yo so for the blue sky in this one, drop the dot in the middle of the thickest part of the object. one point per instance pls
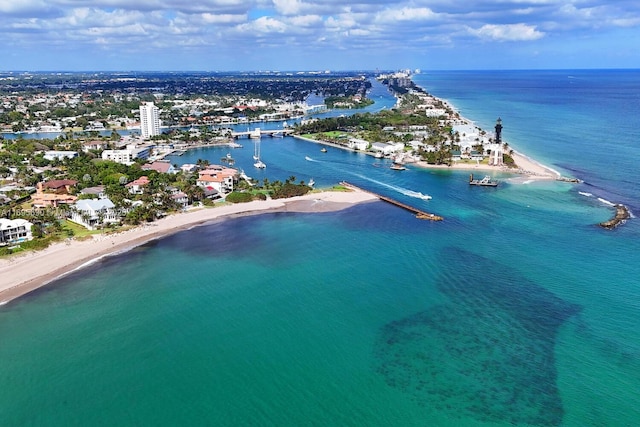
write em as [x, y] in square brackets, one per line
[252, 35]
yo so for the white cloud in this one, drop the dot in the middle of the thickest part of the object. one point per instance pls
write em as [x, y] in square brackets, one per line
[263, 25]
[287, 7]
[371, 26]
[305, 20]
[508, 32]
[226, 18]
[405, 14]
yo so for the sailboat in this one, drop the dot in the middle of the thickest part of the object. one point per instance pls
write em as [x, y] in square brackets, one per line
[256, 156]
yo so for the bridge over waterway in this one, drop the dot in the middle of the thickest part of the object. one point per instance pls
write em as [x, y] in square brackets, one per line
[259, 133]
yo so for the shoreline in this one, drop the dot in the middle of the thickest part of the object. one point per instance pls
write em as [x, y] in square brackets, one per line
[26, 272]
[527, 166]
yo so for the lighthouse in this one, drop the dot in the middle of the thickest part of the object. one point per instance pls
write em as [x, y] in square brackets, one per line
[499, 131]
[497, 152]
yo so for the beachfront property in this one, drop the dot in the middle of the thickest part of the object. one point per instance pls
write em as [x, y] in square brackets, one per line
[14, 231]
[180, 198]
[54, 193]
[94, 213]
[219, 178]
[149, 120]
[137, 185]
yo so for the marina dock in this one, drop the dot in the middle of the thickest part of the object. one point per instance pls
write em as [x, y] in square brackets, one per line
[420, 214]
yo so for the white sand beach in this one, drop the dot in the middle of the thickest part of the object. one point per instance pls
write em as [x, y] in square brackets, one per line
[525, 166]
[25, 272]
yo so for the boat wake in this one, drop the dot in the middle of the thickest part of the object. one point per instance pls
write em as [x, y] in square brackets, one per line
[309, 159]
[584, 193]
[606, 202]
[405, 191]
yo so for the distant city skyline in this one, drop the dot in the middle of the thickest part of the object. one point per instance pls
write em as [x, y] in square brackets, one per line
[251, 35]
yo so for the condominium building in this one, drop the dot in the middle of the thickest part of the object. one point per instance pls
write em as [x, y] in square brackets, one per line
[149, 120]
[128, 155]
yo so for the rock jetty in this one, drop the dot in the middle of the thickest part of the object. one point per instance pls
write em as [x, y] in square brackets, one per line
[622, 214]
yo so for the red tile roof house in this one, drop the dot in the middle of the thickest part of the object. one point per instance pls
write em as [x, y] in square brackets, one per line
[59, 186]
[137, 186]
[56, 194]
[218, 177]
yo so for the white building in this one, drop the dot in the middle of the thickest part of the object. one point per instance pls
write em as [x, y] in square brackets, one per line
[358, 144]
[60, 155]
[149, 120]
[387, 148]
[128, 155]
[497, 154]
[14, 231]
[93, 213]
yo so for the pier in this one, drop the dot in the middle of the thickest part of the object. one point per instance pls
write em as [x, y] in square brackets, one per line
[420, 214]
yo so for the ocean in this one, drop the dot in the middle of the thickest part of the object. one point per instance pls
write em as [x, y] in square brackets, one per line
[517, 309]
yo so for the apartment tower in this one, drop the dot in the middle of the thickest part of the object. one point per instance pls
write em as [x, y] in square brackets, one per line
[149, 120]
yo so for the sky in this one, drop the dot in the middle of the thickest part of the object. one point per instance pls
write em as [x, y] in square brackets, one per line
[301, 35]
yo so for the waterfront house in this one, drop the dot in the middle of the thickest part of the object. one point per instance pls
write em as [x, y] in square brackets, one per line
[53, 194]
[358, 144]
[387, 148]
[14, 231]
[137, 185]
[59, 186]
[97, 191]
[181, 199]
[476, 156]
[94, 213]
[218, 177]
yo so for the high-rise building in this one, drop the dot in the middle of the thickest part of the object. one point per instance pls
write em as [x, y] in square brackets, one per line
[149, 120]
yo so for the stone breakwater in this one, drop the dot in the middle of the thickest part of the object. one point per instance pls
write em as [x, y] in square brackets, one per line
[622, 214]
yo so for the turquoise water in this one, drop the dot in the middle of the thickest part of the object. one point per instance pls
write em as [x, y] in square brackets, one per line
[515, 310]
